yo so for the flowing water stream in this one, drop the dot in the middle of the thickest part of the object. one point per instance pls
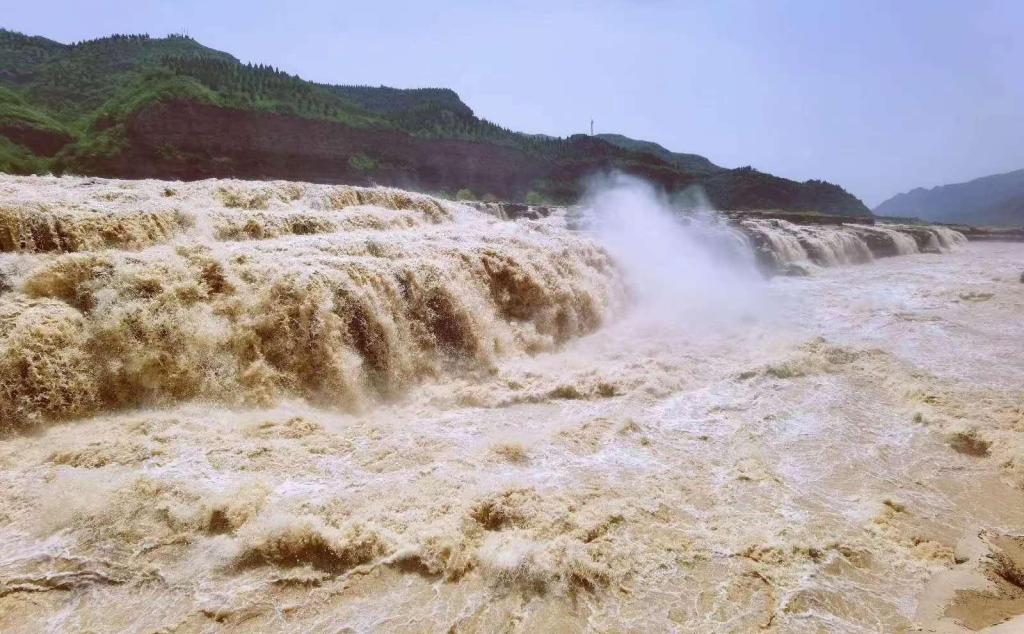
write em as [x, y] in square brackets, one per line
[267, 407]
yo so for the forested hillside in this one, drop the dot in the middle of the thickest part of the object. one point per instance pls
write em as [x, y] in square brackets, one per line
[138, 106]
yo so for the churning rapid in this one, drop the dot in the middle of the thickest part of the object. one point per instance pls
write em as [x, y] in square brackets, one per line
[263, 407]
[245, 293]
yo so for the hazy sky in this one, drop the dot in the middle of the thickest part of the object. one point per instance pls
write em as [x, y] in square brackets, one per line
[878, 96]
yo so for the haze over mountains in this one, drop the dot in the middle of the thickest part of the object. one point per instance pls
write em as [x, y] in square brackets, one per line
[134, 106]
[996, 200]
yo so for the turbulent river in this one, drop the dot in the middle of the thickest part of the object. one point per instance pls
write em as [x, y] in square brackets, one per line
[265, 407]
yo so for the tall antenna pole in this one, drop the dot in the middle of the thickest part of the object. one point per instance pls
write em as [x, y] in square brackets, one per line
[591, 127]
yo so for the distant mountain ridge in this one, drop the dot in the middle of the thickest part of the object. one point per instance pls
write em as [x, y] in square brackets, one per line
[996, 200]
[136, 106]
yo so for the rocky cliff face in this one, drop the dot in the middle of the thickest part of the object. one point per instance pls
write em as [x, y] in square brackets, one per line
[188, 140]
[39, 141]
[191, 141]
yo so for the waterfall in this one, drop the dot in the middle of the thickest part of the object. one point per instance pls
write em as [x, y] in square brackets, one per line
[780, 243]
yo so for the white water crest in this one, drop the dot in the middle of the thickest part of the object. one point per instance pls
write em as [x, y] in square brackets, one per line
[692, 268]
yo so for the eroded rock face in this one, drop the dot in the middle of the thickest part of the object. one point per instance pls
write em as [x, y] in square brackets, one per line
[218, 142]
[178, 139]
[42, 142]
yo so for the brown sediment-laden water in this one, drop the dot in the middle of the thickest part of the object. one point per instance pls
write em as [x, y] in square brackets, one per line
[271, 406]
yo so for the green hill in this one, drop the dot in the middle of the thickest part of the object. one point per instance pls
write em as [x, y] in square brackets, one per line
[136, 106]
[691, 162]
